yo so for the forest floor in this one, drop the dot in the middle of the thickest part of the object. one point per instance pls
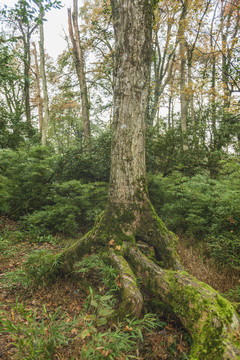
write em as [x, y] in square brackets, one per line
[70, 296]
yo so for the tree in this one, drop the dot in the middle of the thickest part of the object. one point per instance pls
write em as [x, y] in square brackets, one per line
[130, 217]
[79, 64]
[12, 129]
[26, 16]
[44, 128]
[38, 89]
[26, 28]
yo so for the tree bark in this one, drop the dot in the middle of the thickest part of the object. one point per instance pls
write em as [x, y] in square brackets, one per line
[79, 64]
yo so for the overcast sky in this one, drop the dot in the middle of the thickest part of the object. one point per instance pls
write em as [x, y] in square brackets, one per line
[53, 28]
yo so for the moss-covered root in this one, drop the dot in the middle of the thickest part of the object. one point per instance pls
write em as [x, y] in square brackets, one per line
[77, 250]
[152, 230]
[209, 318]
[132, 300]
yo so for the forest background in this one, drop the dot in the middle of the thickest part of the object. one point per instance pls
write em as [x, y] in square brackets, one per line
[55, 124]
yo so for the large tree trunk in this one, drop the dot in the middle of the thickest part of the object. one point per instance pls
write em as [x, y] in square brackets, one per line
[79, 65]
[130, 217]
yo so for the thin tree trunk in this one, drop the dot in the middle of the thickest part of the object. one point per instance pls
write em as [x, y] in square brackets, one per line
[183, 96]
[44, 81]
[191, 99]
[26, 45]
[26, 36]
[169, 111]
[38, 90]
[79, 64]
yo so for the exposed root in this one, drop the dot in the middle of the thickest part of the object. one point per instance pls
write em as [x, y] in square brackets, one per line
[77, 250]
[151, 229]
[132, 300]
[210, 319]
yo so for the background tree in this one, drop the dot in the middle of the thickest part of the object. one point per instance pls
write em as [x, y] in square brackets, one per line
[80, 69]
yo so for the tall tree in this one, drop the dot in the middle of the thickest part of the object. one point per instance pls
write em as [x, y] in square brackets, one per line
[26, 27]
[183, 60]
[38, 89]
[26, 17]
[44, 77]
[80, 68]
[129, 215]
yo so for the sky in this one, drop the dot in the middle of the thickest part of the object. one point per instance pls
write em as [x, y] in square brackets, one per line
[54, 27]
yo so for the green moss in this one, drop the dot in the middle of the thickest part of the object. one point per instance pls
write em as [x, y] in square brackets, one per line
[204, 313]
[127, 307]
[154, 231]
[159, 307]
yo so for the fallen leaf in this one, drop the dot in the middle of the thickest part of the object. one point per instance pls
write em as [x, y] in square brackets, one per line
[111, 242]
[74, 331]
[127, 328]
[105, 353]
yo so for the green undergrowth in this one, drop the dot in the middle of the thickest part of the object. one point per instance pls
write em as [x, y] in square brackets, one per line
[39, 268]
[207, 210]
[91, 334]
[37, 334]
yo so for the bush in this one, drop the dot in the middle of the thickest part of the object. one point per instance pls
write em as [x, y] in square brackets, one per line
[39, 268]
[73, 207]
[87, 166]
[208, 210]
[24, 180]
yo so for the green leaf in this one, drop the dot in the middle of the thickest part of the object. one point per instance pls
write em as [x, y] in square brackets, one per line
[94, 303]
[101, 321]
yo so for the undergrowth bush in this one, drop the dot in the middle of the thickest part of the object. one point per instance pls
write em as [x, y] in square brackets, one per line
[31, 188]
[72, 207]
[88, 166]
[39, 268]
[24, 182]
[206, 209]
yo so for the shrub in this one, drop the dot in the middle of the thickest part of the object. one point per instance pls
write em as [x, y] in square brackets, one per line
[87, 166]
[39, 268]
[208, 210]
[24, 180]
[73, 207]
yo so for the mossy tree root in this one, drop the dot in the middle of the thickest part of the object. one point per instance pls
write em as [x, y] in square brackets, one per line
[132, 300]
[151, 229]
[210, 319]
[77, 250]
